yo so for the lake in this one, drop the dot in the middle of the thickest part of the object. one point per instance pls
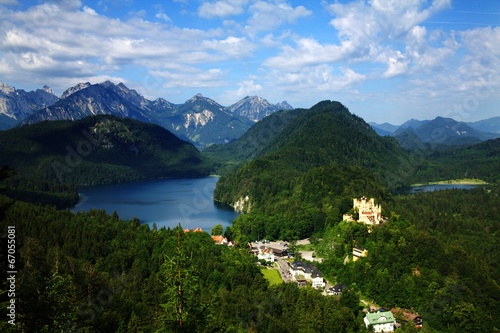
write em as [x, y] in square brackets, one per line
[166, 202]
[437, 187]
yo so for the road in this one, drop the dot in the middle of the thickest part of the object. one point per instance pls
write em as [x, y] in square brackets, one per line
[284, 271]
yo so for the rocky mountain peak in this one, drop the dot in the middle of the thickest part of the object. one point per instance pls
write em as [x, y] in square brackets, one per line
[48, 90]
[6, 89]
[256, 108]
[74, 89]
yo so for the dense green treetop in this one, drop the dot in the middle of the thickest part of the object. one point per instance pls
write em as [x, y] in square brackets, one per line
[97, 150]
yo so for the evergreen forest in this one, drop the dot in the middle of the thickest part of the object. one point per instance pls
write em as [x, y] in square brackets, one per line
[436, 253]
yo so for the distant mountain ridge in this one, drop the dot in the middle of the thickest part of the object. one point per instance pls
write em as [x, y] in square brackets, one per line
[439, 132]
[200, 120]
[17, 104]
[257, 108]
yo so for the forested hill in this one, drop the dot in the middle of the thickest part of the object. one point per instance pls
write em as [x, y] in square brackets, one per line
[319, 144]
[254, 143]
[324, 134]
[97, 150]
[480, 161]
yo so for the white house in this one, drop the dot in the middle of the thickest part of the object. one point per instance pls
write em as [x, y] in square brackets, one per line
[308, 272]
[267, 254]
[380, 321]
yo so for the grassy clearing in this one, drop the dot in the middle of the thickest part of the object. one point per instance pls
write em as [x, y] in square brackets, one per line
[271, 275]
[306, 247]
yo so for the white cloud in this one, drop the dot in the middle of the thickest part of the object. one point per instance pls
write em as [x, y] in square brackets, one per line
[397, 64]
[222, 8]
[307, 52]
[233, 46]
[89, 10]
[266, 15]
[51, 40]
[246, 87]
[186, 76]
[163, 16]
[321, 80]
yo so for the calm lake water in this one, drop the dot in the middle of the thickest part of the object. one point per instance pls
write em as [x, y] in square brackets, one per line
[437, 187]
[166, 202]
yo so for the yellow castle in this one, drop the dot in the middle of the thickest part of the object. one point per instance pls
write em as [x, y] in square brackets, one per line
[369, 213]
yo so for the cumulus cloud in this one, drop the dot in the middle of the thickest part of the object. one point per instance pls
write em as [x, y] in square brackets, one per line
[245, 88]
[70, 41]
[222, 8]
[266, 15]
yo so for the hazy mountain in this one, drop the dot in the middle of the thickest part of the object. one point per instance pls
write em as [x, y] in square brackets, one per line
[97, 150]
[17, 104]
[409, 139]
[439, 132]
[384, 129]
[413, 123]
[256, 108]
[443, 132]
[491, 125]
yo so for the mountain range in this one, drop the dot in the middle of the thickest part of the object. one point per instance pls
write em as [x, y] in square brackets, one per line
[17, 104]
[199, 120]
[439, 132]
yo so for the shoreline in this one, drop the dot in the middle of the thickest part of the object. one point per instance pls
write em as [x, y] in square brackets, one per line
[464, 181]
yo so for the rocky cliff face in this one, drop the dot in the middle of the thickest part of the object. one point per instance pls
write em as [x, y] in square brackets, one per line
[200, 120]
[18, 104]
[85, 100]
[256, 108]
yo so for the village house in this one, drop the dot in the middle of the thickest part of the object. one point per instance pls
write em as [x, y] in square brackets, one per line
[368, 212]
[266, 254]
[407, 316]
[305, 271]
[359, 252]
[336, 289]
[380, 321]
[221, 240]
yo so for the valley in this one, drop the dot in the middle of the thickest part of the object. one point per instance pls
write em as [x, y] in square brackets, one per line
[293, 174]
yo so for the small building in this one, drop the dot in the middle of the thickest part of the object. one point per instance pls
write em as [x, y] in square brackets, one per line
[266, 254]
[359, 252]
[380, 321]
[280, 253]
[304, 270]
[336, 289]
[408, 316]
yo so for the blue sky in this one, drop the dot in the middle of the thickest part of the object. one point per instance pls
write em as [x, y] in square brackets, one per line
[386, 60]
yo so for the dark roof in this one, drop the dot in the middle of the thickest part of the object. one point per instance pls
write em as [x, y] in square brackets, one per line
[306, 268]
[338, 288]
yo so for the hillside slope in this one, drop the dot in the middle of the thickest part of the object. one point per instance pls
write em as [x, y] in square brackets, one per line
[322, 140]
[97, 150]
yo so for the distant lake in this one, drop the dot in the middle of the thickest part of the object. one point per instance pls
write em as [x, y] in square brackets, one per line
[437, 187]
[166, 202]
